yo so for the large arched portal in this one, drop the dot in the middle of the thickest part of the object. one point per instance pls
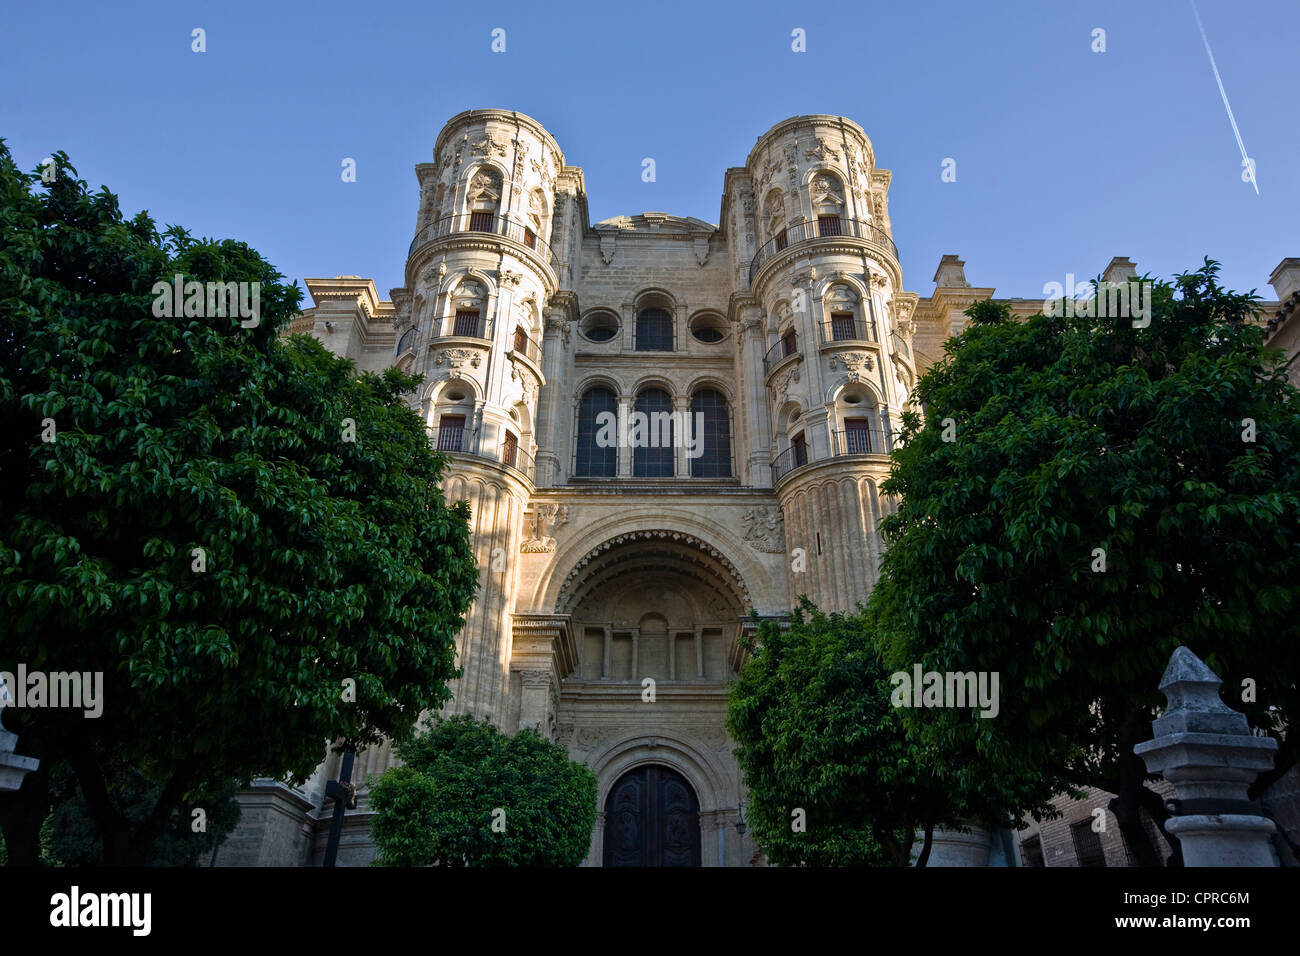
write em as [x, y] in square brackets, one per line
[652, 818]
[655, 617]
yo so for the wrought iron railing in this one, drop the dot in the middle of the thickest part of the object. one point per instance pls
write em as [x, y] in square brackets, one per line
[471, 222]
[810, 230]
[407, 341]
[849, 330]
[785, 347]
[520, 342]
[852, 441]
[460, 441]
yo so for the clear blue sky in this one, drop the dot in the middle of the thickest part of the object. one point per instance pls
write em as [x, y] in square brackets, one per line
[1065, 157]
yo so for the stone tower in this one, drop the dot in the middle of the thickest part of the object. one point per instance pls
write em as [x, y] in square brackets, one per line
[827, 357]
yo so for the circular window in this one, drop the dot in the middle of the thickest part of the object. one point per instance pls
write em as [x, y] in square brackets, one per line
[708, 328]
[455, 396]
[599, 327]
[853, 398]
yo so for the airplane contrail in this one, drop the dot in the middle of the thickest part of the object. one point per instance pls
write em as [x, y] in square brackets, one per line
[1231, 119]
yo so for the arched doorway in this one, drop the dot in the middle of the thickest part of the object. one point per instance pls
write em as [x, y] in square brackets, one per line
[652, 818]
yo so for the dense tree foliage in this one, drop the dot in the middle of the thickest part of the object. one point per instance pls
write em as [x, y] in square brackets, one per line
[1083, 495]
[469, 795]
[245, 536]
[833, 778]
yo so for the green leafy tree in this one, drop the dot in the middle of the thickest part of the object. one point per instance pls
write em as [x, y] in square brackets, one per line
[1083, 495]
[242, 534]
[469, 795]
[188, 840]
[833, 778]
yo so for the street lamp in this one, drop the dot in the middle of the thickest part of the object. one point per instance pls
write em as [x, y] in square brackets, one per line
[740, 823]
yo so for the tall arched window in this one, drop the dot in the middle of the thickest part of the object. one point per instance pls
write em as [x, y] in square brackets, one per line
[597, 448]
[652, 436]
[709, 409]
[654, 331]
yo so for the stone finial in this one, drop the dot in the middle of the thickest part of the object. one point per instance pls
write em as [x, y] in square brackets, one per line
[1207, 752]
[1121, 269]
[951, 274]
[1194, 707]
[1285, 279]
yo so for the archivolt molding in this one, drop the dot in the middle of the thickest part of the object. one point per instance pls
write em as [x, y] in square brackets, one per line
[702, 770]
[575, 575]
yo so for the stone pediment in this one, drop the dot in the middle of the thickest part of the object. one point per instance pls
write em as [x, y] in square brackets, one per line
[660, 222]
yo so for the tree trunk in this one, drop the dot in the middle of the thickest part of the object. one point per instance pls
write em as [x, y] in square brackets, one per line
[1127, 803]
[1151, 801]
[924, 858]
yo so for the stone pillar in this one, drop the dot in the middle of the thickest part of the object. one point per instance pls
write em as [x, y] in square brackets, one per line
[543, 653]
[12, 766]
[535, 707]
[1206, 750]
[954, 847]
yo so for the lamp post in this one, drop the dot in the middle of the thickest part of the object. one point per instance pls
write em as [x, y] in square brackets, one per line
[344, 794]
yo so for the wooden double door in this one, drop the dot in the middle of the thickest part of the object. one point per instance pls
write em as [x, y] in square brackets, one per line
[652, 818]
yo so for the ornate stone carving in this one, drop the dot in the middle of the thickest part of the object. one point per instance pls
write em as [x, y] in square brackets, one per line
[825, 189]
[525, 382]
[782, 387]
[589, 738]
[508, 279]
[764, 529]
[821, 152]
[521, 157]
[542, 522]
[485, 183]
[491, 143]
[557, 320]
[903, 309]
[607, 248]
[878, 280]
[853, 362]
[456, 358]
[701, 250]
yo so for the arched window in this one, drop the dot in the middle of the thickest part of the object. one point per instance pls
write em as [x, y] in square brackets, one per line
[654, 331]
[651, 434]
[597, 447]
[709, 409]
[483, 198]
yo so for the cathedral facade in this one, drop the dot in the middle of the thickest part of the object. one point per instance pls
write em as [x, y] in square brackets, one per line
[661, 425]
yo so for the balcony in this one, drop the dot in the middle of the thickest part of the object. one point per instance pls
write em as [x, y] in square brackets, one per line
[521, 343]
[843, 444]
[485, 223]
[825, 228]
[785, 347]
[848, 330]
[457, 441]
[407, 341]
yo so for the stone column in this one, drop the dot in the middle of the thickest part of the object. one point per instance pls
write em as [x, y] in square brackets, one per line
[753, 412]
[555, 340]
[625, 407]
[1206, 750]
